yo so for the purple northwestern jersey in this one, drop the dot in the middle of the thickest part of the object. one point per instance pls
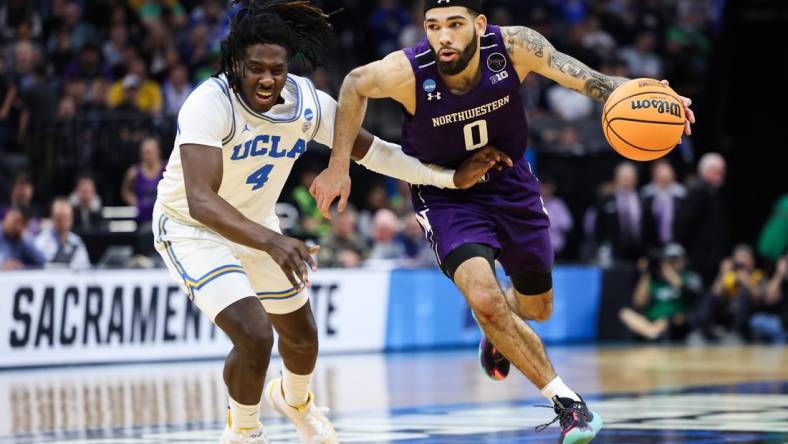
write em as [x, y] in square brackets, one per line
[505, 211]
[447, 127]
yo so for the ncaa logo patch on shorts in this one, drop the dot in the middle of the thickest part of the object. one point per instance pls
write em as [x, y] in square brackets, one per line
[430, 85]
[496, 62]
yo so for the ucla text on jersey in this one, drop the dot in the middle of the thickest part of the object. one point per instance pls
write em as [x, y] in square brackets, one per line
[265, 144]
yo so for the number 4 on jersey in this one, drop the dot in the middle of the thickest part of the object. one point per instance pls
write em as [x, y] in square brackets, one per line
[259, 177]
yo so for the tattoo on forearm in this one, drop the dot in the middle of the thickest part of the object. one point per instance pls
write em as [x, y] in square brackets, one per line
[597, 86]
[569, 65]
[519, 36]
[600, 86]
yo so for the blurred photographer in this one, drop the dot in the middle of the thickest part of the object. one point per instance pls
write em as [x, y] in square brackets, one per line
[736, 291]
[663, 296]
[770, 321]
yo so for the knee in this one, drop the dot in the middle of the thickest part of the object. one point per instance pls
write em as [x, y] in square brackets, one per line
[255, 342]
[546, 307]
[537, 308]
[488, 305]
[545, 313]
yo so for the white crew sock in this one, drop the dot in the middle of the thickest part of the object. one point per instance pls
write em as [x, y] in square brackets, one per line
[244, 417]
[295, 387]
[557, 387]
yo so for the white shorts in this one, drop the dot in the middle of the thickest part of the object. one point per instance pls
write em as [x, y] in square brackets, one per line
[215, 272]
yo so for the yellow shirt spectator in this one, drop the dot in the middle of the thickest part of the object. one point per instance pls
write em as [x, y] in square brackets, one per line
[730, 284]
[148, 97]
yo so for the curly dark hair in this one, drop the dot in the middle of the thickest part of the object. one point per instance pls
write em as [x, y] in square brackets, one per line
[297, 25]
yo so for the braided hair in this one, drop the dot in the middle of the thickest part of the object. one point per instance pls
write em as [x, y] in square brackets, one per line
[297, 25]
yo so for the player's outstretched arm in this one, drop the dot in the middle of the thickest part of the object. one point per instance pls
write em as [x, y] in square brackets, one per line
[389, 77]
[202, 174]
[388, 159]
[531, 52]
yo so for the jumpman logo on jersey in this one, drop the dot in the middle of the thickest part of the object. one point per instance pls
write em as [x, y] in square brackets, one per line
[436, 96]
[246, 128]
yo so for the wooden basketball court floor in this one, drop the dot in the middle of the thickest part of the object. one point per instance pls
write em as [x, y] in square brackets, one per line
[699, 395]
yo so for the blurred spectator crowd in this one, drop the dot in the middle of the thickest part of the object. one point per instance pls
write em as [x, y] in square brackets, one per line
[90, 90]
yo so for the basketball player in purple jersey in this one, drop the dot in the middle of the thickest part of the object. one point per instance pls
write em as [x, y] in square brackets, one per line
[466, 76]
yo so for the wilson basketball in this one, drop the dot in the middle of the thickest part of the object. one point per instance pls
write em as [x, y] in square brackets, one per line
[643, 119]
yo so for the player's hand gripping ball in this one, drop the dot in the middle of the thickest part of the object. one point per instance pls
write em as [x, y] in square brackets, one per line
[644, 119]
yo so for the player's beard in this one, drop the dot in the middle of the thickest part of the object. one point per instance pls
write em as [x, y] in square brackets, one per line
[459, 65]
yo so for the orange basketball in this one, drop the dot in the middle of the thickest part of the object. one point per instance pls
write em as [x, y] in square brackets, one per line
[643, 119]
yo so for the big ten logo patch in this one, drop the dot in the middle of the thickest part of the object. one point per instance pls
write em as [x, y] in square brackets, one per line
[503, 75]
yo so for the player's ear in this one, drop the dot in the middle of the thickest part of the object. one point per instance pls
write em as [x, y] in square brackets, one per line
[481, 24]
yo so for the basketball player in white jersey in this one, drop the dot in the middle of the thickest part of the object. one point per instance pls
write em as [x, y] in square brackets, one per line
[239, 134]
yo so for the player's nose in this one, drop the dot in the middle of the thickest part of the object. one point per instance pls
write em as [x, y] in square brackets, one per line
[266, 81]
[445, 37]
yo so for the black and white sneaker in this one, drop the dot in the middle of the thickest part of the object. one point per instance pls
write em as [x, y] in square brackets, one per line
[579, 425]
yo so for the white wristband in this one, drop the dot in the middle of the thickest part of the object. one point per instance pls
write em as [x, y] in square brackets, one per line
[388, 159]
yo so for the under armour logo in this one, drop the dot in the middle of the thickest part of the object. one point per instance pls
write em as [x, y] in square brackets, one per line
[440, 2]
[436, 96]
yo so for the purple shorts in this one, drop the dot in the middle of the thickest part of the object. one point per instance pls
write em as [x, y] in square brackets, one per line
[507, 215]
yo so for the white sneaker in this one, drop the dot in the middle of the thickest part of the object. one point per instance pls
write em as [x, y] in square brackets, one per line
[311, 424]
[253, 436]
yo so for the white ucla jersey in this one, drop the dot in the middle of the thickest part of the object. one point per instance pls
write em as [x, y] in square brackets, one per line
[258, 150]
